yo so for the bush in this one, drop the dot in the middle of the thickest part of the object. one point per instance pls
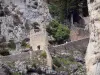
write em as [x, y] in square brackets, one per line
[16, 73]
[35, 23]
[34, 65]
[58, 31]
[56, 62]
[62, 9]
[4, 52]
[24, 44]
[53, 10]
[11, 44]
[43, 54]
[57, 11]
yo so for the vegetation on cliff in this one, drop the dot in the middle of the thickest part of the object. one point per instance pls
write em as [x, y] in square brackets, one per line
[63, 9]
[59, 32]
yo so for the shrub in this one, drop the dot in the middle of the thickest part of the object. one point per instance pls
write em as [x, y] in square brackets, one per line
[58, 31]
[4, 52]
[11, 44]
[56, 62]
[57, 11]
[35, 23]
[28, 46]
[24, 44]
[34, 65]
[53, 10]
[43, 54]
[16, 73]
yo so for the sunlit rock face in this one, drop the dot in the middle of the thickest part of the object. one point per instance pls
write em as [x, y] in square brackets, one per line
[93, 51]
[18, 18]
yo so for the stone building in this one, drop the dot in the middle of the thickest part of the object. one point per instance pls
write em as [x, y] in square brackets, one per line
[38, 39]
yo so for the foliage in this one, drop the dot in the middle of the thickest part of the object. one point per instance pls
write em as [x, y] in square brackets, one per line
[11, 44]
[64, 63]
[56, 12]
[58, 31]
[62, 9]
[24, 44]
[16, 73]
[35, 23]
[4, 52]
[56, 62]
[67, 61]
[34, 65]
[53, 9]
[43, 54]
[3, 47]
[28, 46]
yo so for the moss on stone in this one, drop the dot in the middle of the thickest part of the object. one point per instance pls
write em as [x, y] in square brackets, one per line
[43, 54]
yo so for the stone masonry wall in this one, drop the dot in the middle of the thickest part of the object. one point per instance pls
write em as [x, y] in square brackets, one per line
[80, 45]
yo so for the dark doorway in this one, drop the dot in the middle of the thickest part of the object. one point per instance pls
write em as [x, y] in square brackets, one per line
[38, 47]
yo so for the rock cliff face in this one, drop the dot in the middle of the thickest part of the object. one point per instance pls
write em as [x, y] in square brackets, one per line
[70, 56]
[20, 19]
[93, 50]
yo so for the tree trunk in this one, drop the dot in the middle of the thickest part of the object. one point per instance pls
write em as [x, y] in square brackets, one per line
[72, 24]
[93, 51]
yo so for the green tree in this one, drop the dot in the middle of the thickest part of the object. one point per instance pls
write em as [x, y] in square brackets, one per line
[62, 9]
[58, 31]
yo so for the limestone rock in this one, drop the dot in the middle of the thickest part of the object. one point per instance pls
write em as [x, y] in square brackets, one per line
[93, 51]
[18, 16]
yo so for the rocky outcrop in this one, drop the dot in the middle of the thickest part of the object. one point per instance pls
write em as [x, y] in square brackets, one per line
[70, 56]
[93, 51]
[18, 19]
[21, 64]
[22, 19]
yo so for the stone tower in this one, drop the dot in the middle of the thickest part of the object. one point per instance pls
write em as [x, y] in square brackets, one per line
[38, 39]
[93, 51]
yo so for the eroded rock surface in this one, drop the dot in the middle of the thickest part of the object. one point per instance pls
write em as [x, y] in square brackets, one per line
[18, 18]
[93, 50]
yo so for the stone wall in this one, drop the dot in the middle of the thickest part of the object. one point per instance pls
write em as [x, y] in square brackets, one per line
[38, 41]
[80, 45]
[78, 33]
